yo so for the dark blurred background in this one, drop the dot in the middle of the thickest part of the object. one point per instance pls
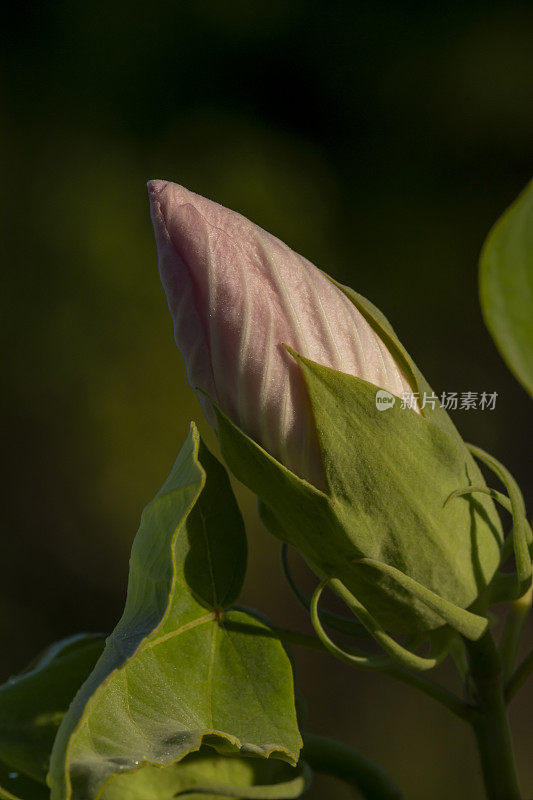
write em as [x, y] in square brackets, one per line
[381, 140]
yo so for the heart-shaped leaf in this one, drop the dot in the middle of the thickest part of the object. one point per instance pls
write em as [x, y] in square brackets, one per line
[180, 671]
[506, 286]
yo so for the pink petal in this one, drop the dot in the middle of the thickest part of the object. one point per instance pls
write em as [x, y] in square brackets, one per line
[236, 295]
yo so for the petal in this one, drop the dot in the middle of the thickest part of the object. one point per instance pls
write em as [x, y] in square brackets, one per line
[237, 295]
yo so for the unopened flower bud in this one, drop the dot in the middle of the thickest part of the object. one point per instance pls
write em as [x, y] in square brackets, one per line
[237, 295]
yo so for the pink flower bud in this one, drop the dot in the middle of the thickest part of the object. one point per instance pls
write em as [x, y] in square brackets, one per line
[237, 295]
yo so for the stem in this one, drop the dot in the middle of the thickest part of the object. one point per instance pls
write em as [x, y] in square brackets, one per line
[338, 760]
[490, 724]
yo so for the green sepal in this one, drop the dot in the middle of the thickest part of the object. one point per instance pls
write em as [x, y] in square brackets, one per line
[396, 652]
[339, 623]
[521, 533]
[388, 474]
[499, 497]
[176, 673]
[353, 655]
[505, 503]
[470, 625]
[381, 325]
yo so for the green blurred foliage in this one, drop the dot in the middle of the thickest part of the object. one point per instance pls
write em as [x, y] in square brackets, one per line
[397, 131]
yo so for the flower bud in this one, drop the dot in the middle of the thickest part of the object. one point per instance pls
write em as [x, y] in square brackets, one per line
[292, 363]
[237, 295]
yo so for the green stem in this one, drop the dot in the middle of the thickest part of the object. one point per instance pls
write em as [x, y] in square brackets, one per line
[333, 758]
[490, 723]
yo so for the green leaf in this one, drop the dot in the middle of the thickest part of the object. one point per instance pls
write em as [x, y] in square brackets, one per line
[506, 286]
[389, 474]
[33, 704]
[208, 772]
[177, 672]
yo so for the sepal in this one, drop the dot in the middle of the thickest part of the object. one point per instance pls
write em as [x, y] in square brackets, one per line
[388, 477]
